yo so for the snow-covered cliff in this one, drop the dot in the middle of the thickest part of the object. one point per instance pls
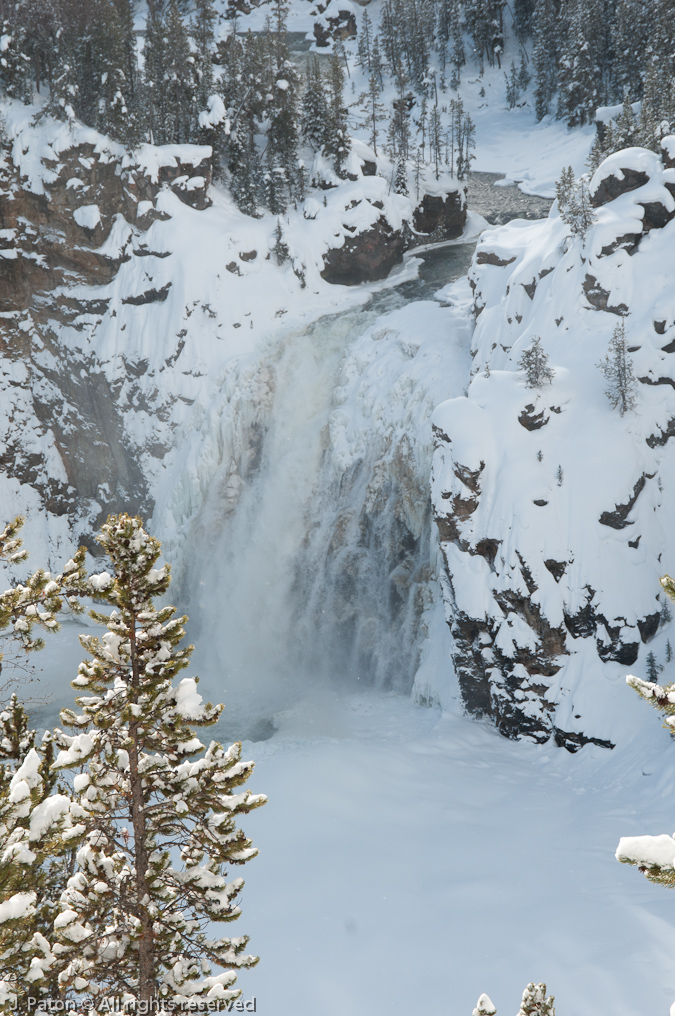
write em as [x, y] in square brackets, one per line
[137, 302]
[554, 511]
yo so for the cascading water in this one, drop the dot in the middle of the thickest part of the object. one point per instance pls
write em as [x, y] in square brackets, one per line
[311, 554]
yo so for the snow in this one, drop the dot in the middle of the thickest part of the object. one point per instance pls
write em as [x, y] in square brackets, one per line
[18, 906]
[189, 703]
[87, 216]
[649, 850]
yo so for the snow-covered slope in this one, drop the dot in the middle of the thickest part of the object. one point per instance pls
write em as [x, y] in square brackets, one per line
[554, 510]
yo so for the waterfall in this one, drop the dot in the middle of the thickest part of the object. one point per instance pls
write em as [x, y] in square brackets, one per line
[310, 558]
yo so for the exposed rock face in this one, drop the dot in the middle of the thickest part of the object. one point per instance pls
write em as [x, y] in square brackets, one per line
[441, 217]
[368, 256]
[61, 237]
[371, 253]
[548, 503]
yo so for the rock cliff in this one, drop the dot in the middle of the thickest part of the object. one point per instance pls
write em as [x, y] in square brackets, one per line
[554, 511]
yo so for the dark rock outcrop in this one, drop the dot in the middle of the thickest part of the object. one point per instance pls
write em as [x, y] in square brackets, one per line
[371, 254]
[441, 218]
[366, 257]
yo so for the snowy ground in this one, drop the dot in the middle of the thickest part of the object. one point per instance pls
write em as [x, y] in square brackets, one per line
[410, 860]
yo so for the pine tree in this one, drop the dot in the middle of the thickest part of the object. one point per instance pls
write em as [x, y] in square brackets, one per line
[545, 55]
[574, 204]
[314, 106]
[201, 30]
[578, 93]
[617, 368]
[111, 58]
[179, 81]
[365, 43]
[534, 362]
[512, 86]
[401, 176]
[374, 111]
[535, 1002]
[151, 814]
[669, 652]
[154, 84]
[652, 668]
[337, 143]
[15, 65]
[436, 138]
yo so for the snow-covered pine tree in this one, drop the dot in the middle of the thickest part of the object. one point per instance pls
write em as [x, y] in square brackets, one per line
[485, 1006]
[201, 29]
[314, 106]
[376, 63]
[535, 1002]
[436, 138]
[522, 17]
[629, 40]
[574, 202]
[617, 368]
[534, 363]
[652, 668]
[374, 111]
[110, 50]
[15, 66]
[577, 91]
[512, 86]
[365, 43]
[179, 81]
[337, 143]
[545, 54]
[401, 176]
[154, 83]
[156, 812]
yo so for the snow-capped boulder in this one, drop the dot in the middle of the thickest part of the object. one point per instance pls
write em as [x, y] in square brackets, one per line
[554, 511]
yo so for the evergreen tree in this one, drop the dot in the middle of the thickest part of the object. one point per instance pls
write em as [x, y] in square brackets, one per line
[652, 668]
[436, 138]
[15, 66]
[376, 63]
[512, 86]
[535, 1002]
[669, 652]
[523, 11]
[578, 94]
[201, 30]
[574, 203]
[365, 43]
[314, 106]
[337, 143]
[534, 363]
[149, 823]
[111, 58]
[617, 368]
[154, 84]
[545, 55]
[374, 112]
[401, 176]
[178, 81]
